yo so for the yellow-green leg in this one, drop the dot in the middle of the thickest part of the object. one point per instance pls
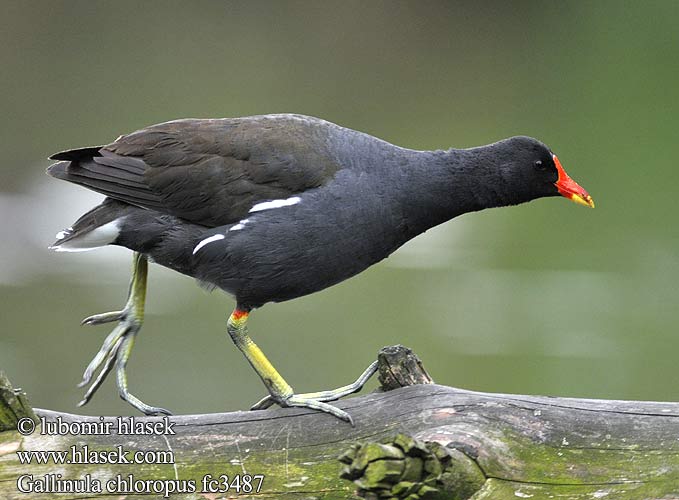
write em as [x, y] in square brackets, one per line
[280, 391]
[117, 347]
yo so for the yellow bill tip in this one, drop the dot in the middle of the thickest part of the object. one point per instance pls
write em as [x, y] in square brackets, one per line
[585, 200]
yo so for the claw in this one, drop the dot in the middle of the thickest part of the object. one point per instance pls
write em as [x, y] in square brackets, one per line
[263, 404]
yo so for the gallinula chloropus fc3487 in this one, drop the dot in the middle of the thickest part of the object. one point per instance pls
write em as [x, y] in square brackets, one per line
[274, 207]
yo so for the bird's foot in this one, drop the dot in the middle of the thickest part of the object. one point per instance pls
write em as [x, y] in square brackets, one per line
[116, 351]
[317, 400]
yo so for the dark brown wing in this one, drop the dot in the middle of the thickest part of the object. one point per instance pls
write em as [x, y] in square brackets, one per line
[210, 172]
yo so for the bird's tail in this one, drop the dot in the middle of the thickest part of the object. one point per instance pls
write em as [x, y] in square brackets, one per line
[66, 168]
[98, 227]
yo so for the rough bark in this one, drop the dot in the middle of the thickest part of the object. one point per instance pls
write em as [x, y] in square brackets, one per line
[421, 441]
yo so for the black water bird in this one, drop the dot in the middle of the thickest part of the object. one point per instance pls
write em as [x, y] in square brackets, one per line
[274, 207]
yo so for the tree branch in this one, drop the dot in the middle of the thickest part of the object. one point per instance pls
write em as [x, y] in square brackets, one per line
[422, 441]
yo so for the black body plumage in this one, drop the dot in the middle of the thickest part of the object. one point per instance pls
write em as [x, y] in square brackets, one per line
[269, 208]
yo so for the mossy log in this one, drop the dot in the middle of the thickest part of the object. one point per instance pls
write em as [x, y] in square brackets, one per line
[421, 441]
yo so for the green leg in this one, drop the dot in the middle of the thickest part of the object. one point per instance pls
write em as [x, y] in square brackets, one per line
[280, 391]
[117, 347]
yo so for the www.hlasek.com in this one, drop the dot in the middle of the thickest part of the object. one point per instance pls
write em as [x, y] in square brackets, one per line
[119, 483]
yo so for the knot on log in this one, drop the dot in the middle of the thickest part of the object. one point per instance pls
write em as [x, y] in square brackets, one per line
[399, 366]
[13, 405]
[405, 468]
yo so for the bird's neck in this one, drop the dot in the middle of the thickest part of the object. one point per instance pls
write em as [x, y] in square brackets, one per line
[445, 184]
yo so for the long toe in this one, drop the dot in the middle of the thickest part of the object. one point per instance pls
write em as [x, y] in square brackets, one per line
[340, 392]
[107, 317]
[302, 401]
[137, 403]
[313, 404]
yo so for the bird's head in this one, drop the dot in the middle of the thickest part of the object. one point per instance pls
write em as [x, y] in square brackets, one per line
[534, 171]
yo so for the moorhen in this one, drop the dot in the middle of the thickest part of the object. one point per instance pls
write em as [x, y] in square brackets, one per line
[270, 208]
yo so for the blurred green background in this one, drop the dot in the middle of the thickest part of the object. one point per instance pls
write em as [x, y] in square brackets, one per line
[545, 298]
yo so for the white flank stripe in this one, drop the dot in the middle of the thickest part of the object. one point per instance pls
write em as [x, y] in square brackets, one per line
[98, 237]
[214, 237]
[240, 225]
[268, 205]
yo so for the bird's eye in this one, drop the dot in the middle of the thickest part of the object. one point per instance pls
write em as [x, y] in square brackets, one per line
[539, 165]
